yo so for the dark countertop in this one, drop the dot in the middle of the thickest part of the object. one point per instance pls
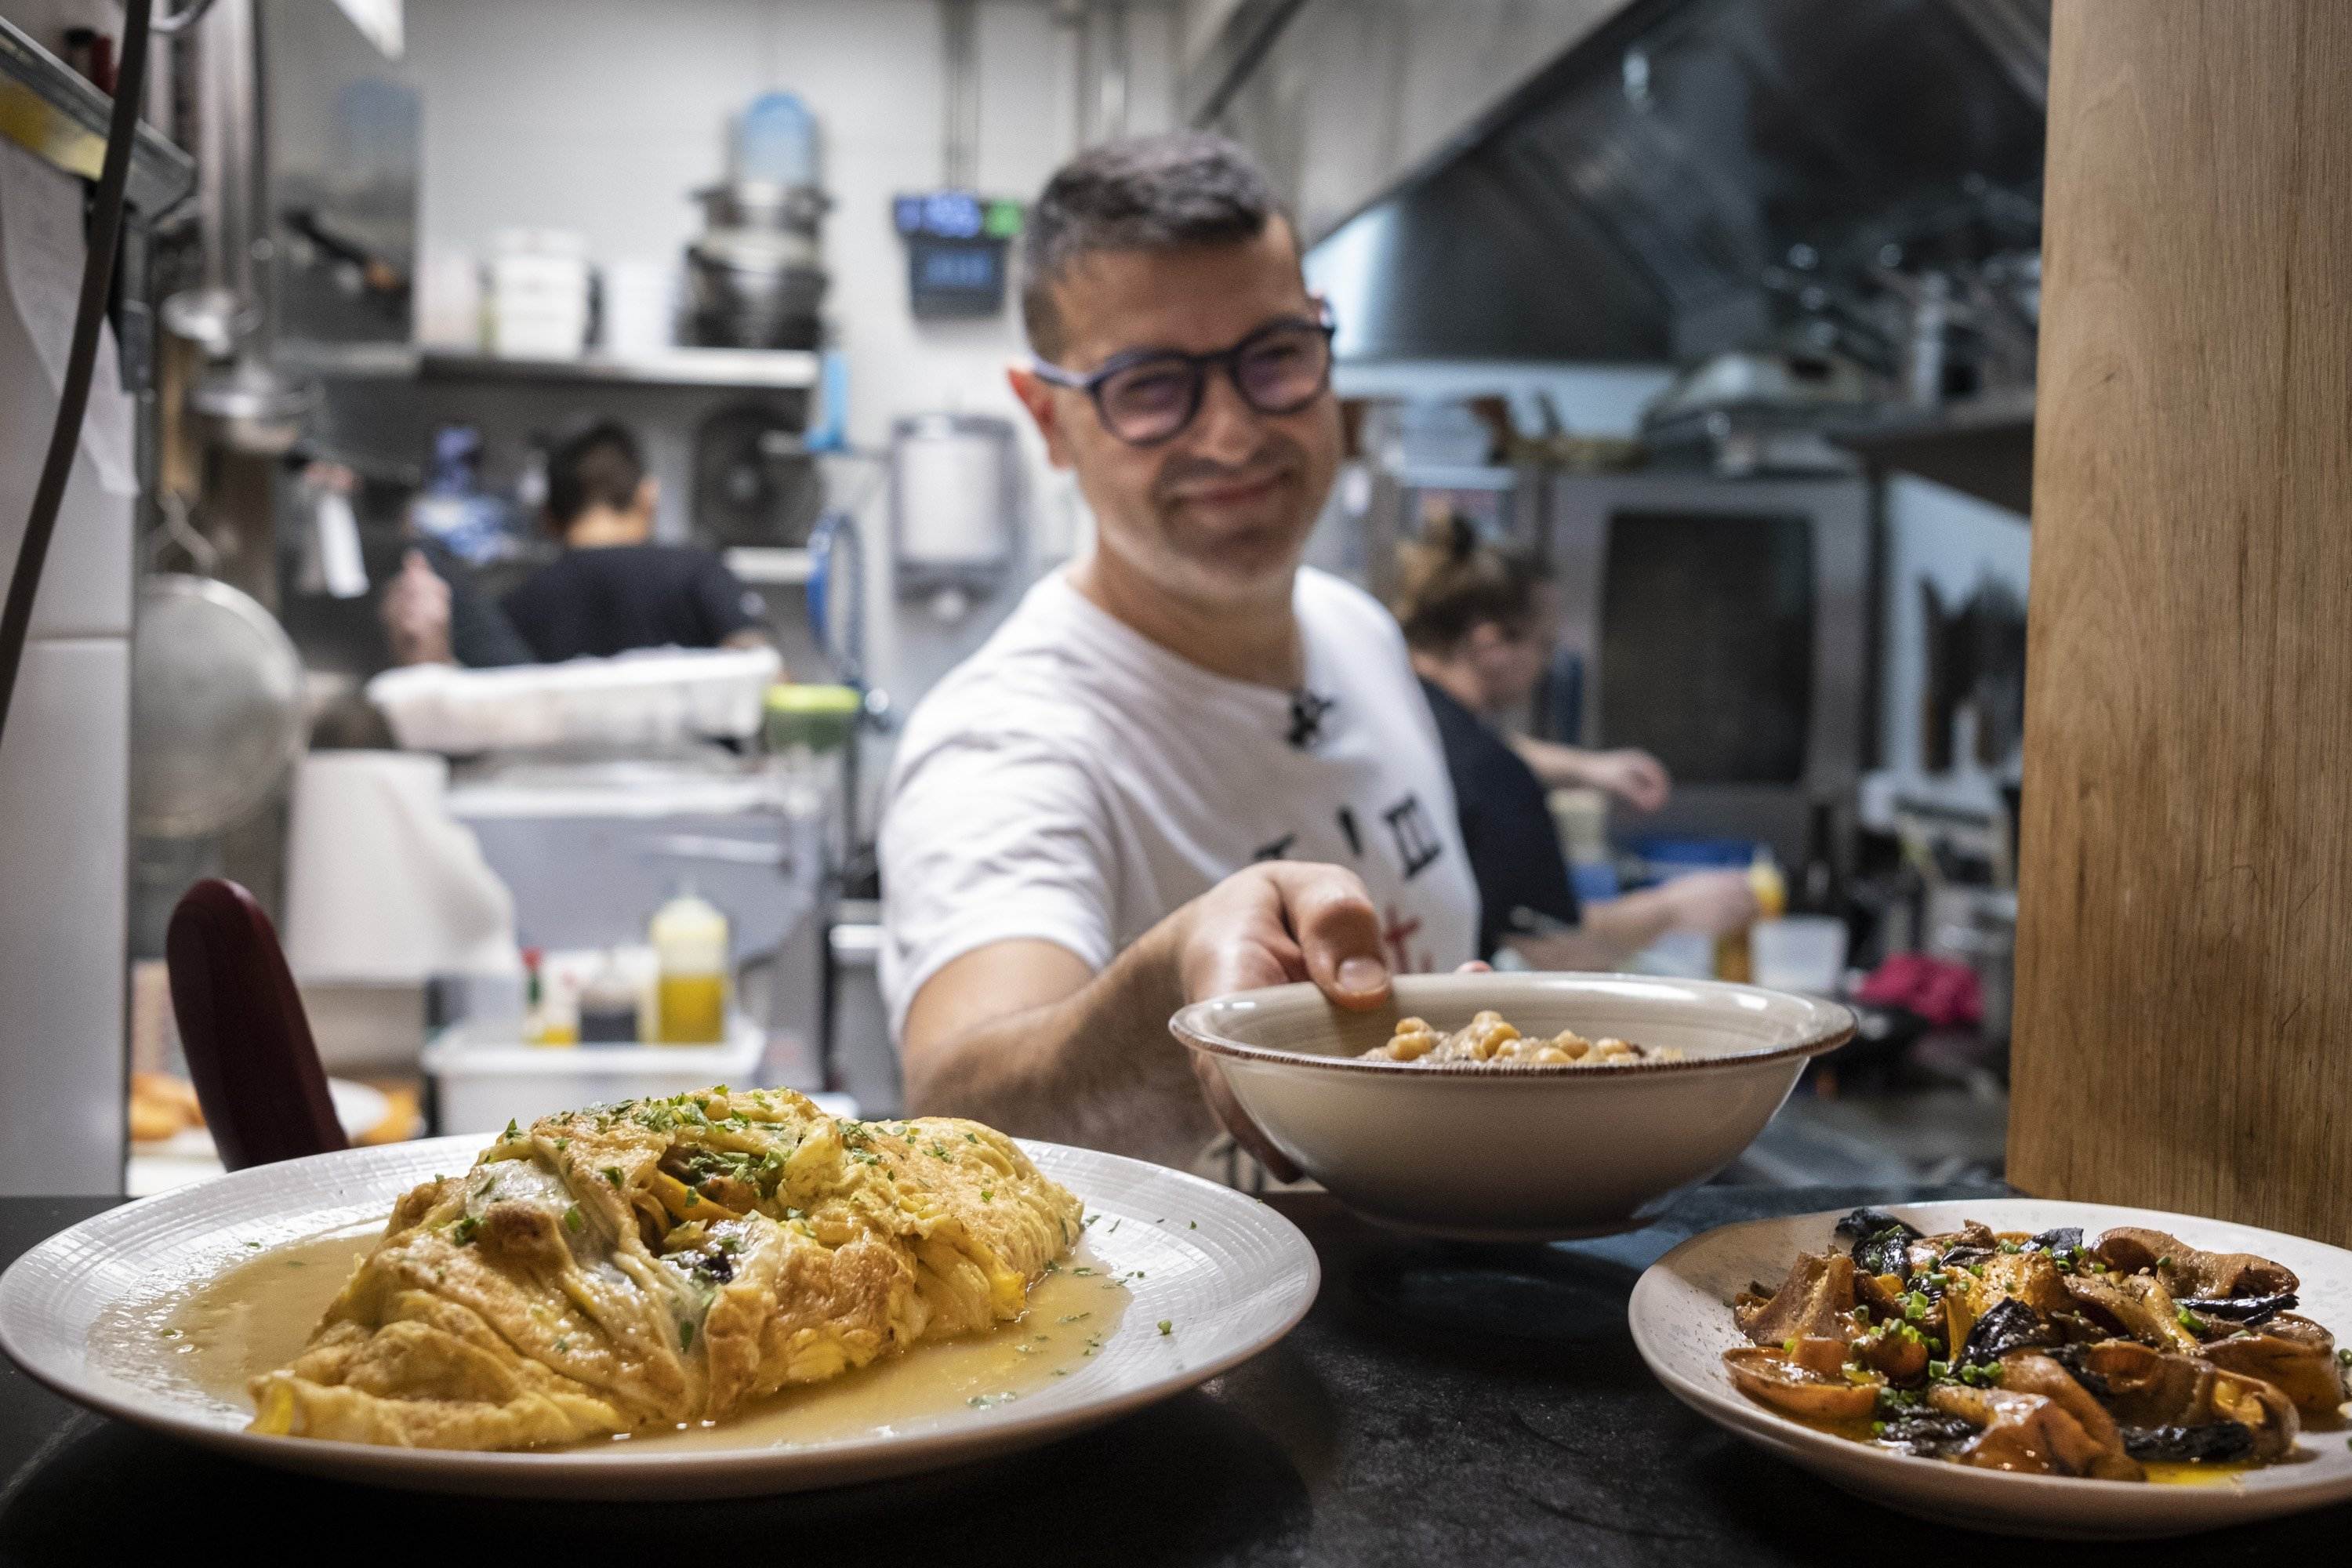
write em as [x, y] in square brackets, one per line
[1439, 1404]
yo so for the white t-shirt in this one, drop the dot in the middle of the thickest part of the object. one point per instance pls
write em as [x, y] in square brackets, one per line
[1075, 781]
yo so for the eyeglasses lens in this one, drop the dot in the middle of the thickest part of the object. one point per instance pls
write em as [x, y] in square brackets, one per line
[1151, 401]
[1285, 370]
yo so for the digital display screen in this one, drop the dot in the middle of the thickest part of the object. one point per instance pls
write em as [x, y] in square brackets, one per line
[949, 278]
[942, 267]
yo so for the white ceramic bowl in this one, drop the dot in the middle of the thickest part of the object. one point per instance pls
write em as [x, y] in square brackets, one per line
[1514, 1152]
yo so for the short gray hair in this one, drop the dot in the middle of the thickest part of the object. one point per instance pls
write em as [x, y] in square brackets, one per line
[1168, 192]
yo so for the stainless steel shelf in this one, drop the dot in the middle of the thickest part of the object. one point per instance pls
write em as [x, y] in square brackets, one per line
[750, 369]
[768, 568]
[47, 108]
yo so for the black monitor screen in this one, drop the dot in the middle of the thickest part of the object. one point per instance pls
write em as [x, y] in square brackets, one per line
[1707, 647]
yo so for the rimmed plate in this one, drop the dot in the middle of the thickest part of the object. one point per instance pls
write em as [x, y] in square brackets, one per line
[1681, 1320]
[1226, 1273]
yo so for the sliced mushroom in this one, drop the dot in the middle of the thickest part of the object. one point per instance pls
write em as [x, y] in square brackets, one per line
[2186, 1271]
[2028, 1433]
[2294, 1355]
[1880, 1241]
[2008, 1325]
[1772, 1379]
[1812, 1303]
[2027, 1372]
[2140, 1387]
[2137, 1304]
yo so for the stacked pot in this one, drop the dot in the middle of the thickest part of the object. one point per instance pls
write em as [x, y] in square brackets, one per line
[753, 276]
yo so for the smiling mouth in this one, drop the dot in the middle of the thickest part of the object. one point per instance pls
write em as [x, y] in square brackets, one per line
[1234, 492]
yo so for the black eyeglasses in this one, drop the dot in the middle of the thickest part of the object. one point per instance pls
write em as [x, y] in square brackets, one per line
[1145, 396]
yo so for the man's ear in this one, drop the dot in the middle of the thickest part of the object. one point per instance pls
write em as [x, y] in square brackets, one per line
[1044, 411]
[648, 497]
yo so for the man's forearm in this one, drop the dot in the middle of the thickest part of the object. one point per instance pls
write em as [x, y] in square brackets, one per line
[1096, 1067]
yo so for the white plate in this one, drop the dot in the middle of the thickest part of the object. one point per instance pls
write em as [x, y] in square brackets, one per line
[1230, 1274]
[1682, 1325]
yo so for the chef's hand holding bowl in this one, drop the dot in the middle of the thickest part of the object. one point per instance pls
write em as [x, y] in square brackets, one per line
[1273, 924]
[1480, 1150]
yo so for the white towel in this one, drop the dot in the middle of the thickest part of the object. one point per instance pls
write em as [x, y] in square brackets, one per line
[382, 885]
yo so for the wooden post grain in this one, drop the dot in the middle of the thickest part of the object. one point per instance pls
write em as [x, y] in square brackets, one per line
[2184, 981]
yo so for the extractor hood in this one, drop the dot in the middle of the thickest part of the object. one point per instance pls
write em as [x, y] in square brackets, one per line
[1586, 180]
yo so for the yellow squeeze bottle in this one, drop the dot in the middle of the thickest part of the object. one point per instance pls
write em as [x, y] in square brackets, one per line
[1732, 958]
[689, 940]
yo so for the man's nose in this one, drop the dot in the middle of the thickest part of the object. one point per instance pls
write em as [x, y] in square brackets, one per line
[1227, 429]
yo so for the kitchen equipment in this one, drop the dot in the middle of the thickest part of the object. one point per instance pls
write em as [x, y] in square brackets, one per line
[538, 294]
[1681, 1326]
[765, 206]
[1518, 1154]
[215, 705]
[253, 408]
[754, 289]
[1725, 627]
[954, 503]
[1225, 1274]
[640, 301]
[755, 483]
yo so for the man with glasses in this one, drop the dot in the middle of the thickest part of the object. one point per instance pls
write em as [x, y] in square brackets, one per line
[1184, 765]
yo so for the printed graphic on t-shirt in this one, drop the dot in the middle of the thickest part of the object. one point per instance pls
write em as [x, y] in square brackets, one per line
[1352, 833]
[1275, 849]
[1417, 845]
[1398, 931]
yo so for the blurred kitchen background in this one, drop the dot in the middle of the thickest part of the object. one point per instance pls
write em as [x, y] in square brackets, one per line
[1724, 309]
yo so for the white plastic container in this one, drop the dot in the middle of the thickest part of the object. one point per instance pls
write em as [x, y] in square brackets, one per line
[486, 1077]
[1798, 953]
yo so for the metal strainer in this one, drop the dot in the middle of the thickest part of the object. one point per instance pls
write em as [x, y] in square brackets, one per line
[216, 713]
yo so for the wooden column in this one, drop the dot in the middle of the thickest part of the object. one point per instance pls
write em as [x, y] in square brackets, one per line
[2184, 983]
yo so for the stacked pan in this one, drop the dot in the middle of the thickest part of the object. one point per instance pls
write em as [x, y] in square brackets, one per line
[754, 278]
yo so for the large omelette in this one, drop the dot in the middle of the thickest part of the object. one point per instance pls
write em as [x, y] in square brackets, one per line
[664, 1261]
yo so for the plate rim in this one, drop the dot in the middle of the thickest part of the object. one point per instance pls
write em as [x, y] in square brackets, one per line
[544, 1472]
[2268, 1492]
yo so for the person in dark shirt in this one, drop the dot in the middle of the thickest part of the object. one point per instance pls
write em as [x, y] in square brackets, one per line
[1479, 624]
[612, 589]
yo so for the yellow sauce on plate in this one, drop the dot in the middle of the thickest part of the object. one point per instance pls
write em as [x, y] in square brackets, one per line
[213, 1338]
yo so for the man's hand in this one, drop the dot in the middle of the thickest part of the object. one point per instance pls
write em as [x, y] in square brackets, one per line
[1272, 924]
[1279, 921]
[416, 611]
[1631, 775]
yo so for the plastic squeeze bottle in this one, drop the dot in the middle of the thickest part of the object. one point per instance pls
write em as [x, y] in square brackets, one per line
[689, 939]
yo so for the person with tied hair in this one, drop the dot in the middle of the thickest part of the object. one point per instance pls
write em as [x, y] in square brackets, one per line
[1184, 765]
[1480, 624]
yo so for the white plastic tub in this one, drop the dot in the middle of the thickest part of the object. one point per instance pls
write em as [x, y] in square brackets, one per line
[485, 1079]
